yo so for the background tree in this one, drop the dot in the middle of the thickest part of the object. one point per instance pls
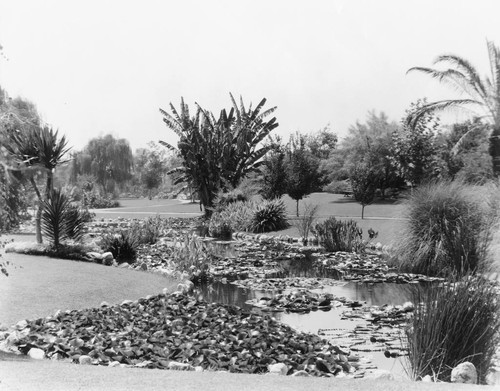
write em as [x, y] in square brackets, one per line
[218, 154]
[150, 167]
[109, 160]
[415, 149]
[364, 184]
[322, 142]
[274, 172]
[482, 94]
[303, 174]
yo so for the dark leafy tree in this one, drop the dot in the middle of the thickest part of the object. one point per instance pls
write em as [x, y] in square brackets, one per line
[274, 173]
[151, 167]
[218, 154]
[303, 174]
[364, 184]
[322, 142]
[481, 94]
[414, 148]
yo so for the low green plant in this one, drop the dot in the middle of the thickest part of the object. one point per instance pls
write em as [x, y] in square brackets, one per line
[147, 231]
[269, 215]
[452, 324]
[304, 223]
[335, 235]
[191, 256]
[448, 229]
[220, 226]
[224, 199]
[122, 245]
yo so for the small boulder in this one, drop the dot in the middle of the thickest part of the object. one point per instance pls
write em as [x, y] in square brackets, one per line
[85, 360]
[107, 256]
[464, 373]
[94, 255]
[36, 354]
[278, 369]
[427, 379]
[179, 366]
[144, 266]
[301, 374]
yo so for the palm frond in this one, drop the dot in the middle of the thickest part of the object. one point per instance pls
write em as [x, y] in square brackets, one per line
[432, 107]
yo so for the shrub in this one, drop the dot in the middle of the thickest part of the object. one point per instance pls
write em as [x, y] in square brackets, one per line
[335, 235]
[123, 246]
[61, 220]
[338, 187]
[220, 226]
[147, 231]
[305, 222]
[269, 215]
[448, 229]
[224, 199]
[453, 324]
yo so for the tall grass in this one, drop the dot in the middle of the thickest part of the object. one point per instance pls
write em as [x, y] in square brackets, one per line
[305, 222]
[335, 235]
[453, 324]
[449, 229]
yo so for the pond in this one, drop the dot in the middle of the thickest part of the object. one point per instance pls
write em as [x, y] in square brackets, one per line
[330, 323]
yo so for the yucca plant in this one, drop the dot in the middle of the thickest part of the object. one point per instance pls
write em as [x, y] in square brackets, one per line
[60, 220]
[269, 215]
[122, 245]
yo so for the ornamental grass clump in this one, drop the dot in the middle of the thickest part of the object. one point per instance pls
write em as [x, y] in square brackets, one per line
[448, 229]
[305, 222]
[335, 235]
[147, 231]
[452, 324]
[122, 245]
[269, 215]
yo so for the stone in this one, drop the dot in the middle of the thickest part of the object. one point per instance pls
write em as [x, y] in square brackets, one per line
[107, 256]
[85, 360]
[94, 255]
[379, 374]
[278, 369]
[301, 374]
[127, 302]
[427, 379]
[22, 324]
[104, 304]
[144, 266]
[36, 354]
[179, 366]
[464, 373]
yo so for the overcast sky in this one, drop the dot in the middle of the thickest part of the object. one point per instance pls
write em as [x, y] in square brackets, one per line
[98, 67]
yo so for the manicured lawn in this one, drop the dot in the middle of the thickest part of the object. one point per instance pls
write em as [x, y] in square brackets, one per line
[38, 286]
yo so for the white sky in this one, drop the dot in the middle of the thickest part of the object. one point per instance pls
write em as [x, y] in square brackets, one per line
[98, 67]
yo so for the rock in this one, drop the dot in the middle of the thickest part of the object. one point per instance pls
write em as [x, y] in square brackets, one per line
[22, 324]
[198, 369]
[278, 369]
[107, 256]
[85, 360]
[493, 378]
[301, 373]
[144, 266]
[464, 373]
[178, 366]
[94, 255]
[427, 379]
[114, 364]
[127, 302]
[36, 354]
[379, 374]
[104, 304]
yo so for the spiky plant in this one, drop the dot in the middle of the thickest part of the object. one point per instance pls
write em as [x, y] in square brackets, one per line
[480, 94]
[270, 215]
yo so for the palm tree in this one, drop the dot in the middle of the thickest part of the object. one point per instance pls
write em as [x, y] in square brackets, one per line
[38, 149]
[480, 94]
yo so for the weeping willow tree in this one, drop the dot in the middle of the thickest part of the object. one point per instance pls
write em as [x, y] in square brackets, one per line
[481, 95]
[218, 153]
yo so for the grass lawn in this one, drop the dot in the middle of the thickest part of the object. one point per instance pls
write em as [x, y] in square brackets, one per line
[38, 286]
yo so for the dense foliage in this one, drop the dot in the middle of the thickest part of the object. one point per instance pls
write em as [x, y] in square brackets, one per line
[335, 235]
[218, 154]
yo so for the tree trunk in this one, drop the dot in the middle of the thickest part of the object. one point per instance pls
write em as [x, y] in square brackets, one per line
[494, 150]
[362, 212]
[297, 208]
[38, 215]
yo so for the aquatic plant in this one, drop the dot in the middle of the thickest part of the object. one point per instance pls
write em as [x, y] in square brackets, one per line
[147, 231]
[448, 229]
[335, 235]
[192, 257]
[453, 324]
